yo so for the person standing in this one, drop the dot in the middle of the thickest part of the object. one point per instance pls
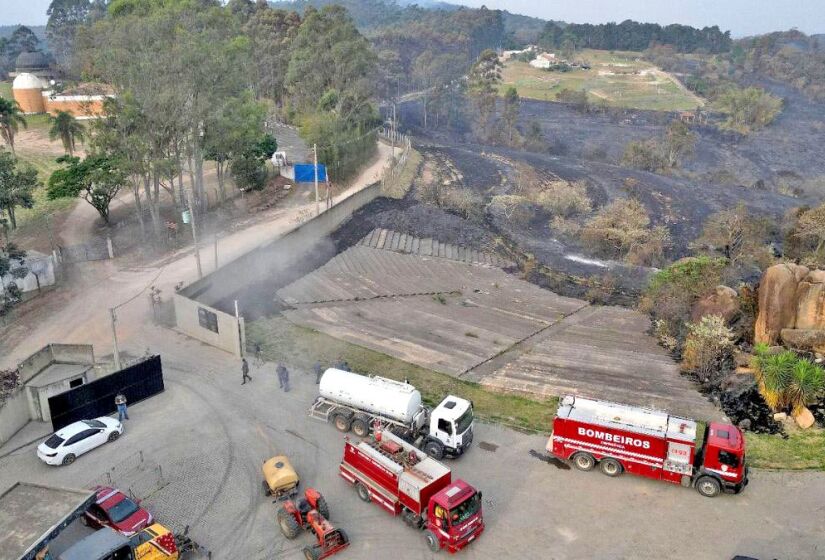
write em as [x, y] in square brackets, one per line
[319, 371]
[283, 377]
[120, 403]
[245, 371]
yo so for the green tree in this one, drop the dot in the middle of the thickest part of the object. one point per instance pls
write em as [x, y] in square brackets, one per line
[10, 120]
[10, 294]
[679, 142]
[511, 112]
[97, 179]
[785, 381]
[16, 186]
[483, 81]
[748, 109]
[65, 17]
[68, 129]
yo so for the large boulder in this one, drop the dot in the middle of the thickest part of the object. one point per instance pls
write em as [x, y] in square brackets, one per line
[810, 301]
[805, 419]
[777, 301]
[812, 340]
[723, 301]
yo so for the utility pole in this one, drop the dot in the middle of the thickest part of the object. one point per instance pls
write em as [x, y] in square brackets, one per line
[394, 127]
[216, 251]
[115, 351]
[191, 204]
[315, 154]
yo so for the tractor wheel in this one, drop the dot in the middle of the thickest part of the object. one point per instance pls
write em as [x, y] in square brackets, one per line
[322, 507]
[432, 541]
[584, 461]
[342, 423]
[69, 459]
[610, 467]
[363, 492]
[113, 436]
[344, 536]
[289, 525]
[434, 449]
[361, 426]
[267, 490]
[708, 486]
[312, 552]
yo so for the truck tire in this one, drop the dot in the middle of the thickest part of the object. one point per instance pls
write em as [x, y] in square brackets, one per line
[342, 423]
[312, 552]
[584, 461]
[434, 449]
[361, 426]
[322, 507]
[288, 524]
[432, 541]
[610, 467]
[363, 492]
[267, 490]
[708, 486]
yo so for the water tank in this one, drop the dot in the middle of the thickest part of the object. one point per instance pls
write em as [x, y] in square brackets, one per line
[393, 399]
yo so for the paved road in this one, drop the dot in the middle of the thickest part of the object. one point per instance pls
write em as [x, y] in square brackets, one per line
[209, 436]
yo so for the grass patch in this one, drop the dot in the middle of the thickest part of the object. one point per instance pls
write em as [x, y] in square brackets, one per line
[803, 449]
[301, 347]
[5, 90]
[621, 79]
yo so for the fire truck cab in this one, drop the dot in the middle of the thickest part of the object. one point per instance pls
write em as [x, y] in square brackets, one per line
[648, 443]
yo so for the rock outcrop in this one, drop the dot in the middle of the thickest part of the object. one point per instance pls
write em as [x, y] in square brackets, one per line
[777, 301]
[723, 301]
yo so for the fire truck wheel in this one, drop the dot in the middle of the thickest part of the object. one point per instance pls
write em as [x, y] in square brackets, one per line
[434, 449]
[584, 461]
[363, 493]
[342, 423]
[432, 541]
[708, 486]
[288, 524]
[361, 426]
[322, 507]
[312, 552]
[610, 467]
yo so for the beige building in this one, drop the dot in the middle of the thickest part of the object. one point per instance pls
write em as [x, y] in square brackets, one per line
[34, 95]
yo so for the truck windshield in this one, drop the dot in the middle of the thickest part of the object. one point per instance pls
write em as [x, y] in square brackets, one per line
[465, 510]
[464, 421]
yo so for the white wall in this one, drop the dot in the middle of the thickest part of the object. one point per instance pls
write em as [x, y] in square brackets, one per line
[14, 414]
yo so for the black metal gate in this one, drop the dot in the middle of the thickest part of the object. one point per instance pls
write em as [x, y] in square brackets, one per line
[137, 382]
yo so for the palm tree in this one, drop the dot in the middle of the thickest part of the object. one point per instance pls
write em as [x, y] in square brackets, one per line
[68, 129]
[806, 386]
[10, 119]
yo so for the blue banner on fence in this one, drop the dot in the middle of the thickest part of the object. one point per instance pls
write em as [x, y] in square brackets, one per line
[305, 173]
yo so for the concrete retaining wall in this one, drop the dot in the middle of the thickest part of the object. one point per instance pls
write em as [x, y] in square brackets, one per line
[267, 261]
[65, 353]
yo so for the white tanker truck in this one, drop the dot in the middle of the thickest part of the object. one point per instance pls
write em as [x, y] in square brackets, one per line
[355, 402]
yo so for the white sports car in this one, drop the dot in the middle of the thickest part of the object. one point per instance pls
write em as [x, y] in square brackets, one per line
[72, 441]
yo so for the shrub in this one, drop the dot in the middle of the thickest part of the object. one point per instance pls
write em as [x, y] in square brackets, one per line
[564, 198]
[748, 109]
[708, 344]
[512, 207]
[672, 291]
[741, 238]
[622, 229]
[646, 155]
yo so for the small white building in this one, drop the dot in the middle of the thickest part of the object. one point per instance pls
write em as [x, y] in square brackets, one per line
[544, 60]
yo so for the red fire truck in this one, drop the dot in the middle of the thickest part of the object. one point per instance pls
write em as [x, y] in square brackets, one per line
[649, 443]
[406, 482]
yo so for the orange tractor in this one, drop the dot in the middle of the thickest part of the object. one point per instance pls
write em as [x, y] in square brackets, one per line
[310, 513]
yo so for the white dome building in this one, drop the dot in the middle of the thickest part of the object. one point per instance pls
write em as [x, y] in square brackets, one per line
[27, 90]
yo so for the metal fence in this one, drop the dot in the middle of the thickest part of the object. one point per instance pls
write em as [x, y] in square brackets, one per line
[137, 474]
[136, 382]
[389, 178]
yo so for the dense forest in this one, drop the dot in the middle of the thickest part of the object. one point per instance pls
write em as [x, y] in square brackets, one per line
[633, 36]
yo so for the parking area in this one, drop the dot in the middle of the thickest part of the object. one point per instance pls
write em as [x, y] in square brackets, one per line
[194, 452]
